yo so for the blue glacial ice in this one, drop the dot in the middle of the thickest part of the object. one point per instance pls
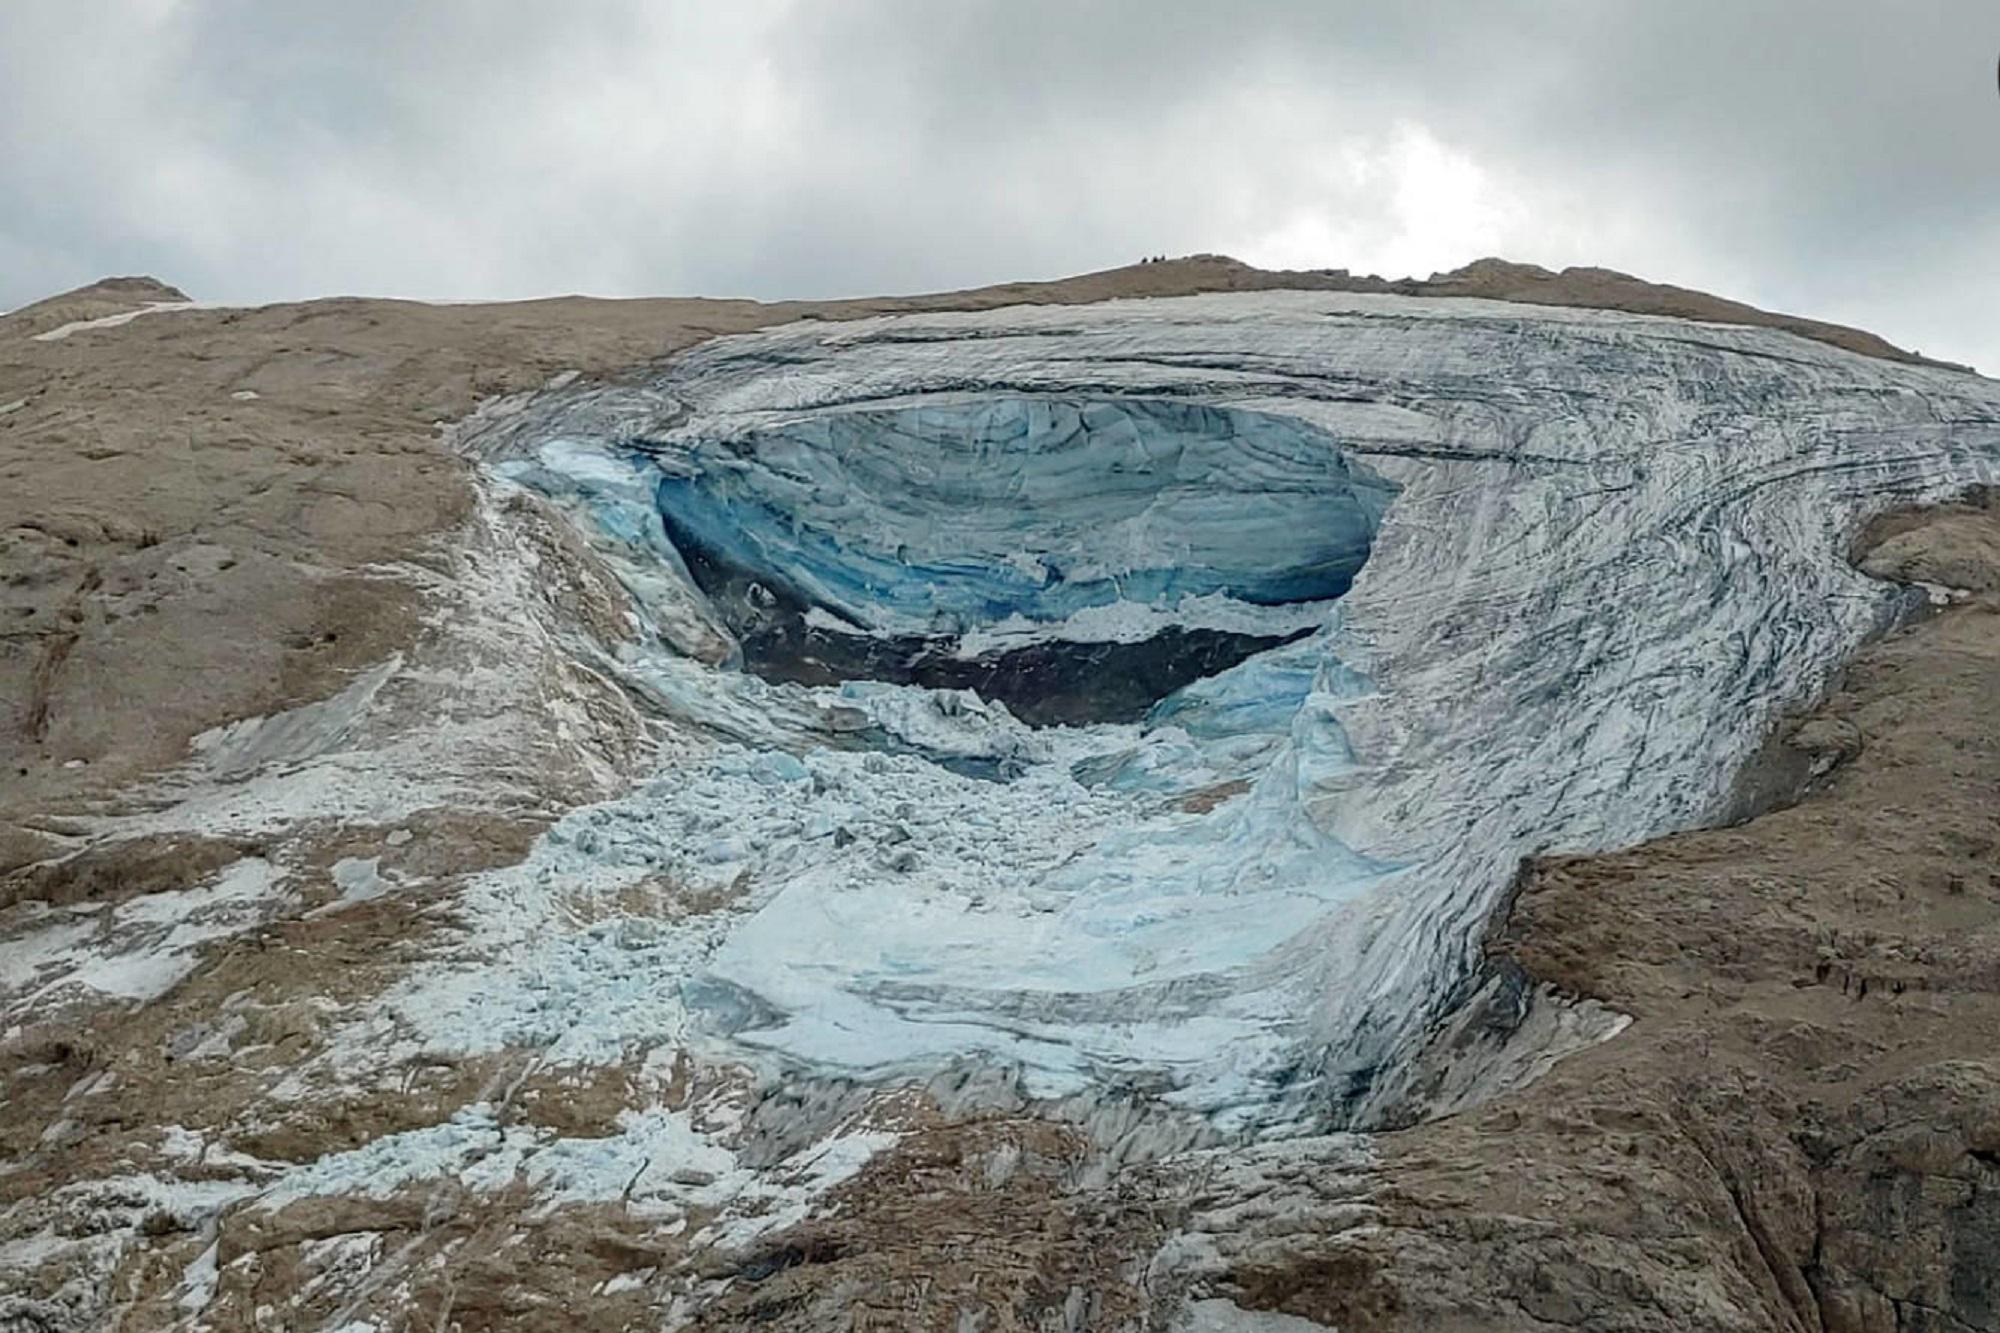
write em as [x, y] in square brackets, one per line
[1463, 582]
[962, 516]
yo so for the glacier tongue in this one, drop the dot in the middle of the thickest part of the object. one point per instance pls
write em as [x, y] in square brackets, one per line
[1601, 551]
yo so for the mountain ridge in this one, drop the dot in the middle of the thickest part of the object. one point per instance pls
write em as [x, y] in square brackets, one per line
[319, 731]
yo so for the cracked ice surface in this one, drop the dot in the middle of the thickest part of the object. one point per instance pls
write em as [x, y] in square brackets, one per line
[1600, 552]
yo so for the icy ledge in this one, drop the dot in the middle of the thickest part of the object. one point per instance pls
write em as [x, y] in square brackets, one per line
[1614, 549]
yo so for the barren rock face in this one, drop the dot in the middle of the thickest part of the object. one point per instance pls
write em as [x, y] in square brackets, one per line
[1098, 815]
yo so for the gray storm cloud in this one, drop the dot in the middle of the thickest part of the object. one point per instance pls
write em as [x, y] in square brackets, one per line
[1838, 159]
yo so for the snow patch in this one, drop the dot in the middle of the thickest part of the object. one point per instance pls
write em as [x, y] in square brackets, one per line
[137, 950]
[658, 1163]
[124, 317]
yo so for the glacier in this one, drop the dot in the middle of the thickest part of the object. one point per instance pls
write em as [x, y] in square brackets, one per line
[1155, 699]
[982, 545]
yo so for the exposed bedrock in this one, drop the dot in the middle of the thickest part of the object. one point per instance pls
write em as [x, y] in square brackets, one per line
[1557, 571]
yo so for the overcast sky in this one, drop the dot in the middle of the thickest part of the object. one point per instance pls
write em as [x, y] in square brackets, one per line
[1836, 158]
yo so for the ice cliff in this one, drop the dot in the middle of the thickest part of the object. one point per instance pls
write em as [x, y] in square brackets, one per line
[1154, 699]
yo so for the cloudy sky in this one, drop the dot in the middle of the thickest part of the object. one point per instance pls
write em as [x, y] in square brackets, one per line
[1838, 158]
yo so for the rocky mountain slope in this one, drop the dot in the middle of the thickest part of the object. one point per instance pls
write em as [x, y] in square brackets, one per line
[1020, 809]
